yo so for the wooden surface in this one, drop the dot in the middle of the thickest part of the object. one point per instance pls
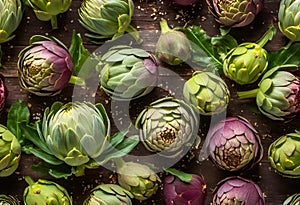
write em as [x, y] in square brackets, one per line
[147, 15]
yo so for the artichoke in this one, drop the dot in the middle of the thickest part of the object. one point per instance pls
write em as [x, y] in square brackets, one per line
[292, 200]
[11, 16]
[77, 134]
[237, 190]
[245, 63]
[109, 194]
[172, 47]
[181, 189]
[46, 10]
[207, 92]
[45, 66]
[10, 152]
[138, 179]
[288, 19]
[3, 93]
[233, 144]
[107, 18]
[236, 13]
[45, 192]
[168, 126]
[284, 155]
[8, 200]
[127, 73]
[278, 95]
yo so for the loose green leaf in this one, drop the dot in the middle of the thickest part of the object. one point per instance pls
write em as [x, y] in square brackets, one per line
[62, 171]
[270, 33]
[185, 177]
[286, 55]
[209, 51]
[17, 114]
[79, 56]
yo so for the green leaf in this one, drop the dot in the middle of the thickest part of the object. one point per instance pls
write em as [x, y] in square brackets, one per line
[18, 113]
[270, 33]
[286, 55]
[79, 56]
[61, 171]
[185, 177]
[204, 46]
[50, 159]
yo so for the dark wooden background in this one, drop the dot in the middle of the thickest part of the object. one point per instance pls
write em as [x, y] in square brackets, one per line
[147, 15]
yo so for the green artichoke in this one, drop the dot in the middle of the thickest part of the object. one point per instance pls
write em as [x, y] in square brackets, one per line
[284, 155]
[107, 18]
[127, 73]
[292, 200]
[11, 16]
[77, 135]
[245, 63]
[278, 95]
[45, 192]
[46, 10]
[288, 19]
[109, 194]
[168, 126]
[10, 152]
[8, 200]
[45, 66]
[207, 92]
[138, 179]
[235, 13]
[172, 47]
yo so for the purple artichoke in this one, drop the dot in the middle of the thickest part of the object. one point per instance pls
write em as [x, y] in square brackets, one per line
[235, 13]
[45, 66]
[237, 190]
[179, 190]
[3, 93]
[233, 144]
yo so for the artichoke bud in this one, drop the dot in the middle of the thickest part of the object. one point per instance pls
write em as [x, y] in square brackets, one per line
[10, 152]
[207, 93]
[8, 200]
[180, 191]
[48, 10]
[109, 194]
[235, 13]
[172, 47]
[11, 16]
[245, 63]
[75, 132]
[45, 192]
[127, 73]
[237, 190]
[233, 144]
[288, 19]
[292, 200]
[284, 153]
[45, 66]
[168, 127]
[3, 93]
[278, 95]
[107, 19]
[138, 179]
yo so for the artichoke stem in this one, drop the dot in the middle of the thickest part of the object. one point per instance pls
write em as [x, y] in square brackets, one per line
[29, 180]
[77, 81]
[267, 36]
[164, 26]
[247, 94]
[54, 22]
